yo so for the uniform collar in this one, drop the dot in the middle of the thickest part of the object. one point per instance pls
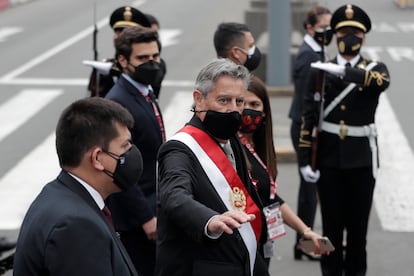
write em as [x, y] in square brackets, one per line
[341, 61]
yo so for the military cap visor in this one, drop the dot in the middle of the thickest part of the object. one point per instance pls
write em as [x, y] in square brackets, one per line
[124, 24]
[351, 23]
[350, 16]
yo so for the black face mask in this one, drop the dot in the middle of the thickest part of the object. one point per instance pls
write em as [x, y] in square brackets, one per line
[349, 45]
[251, 120]
[222, 125]
[323, 37]
[147, 72]
[160, 75]
[128, 168]
[253, 59]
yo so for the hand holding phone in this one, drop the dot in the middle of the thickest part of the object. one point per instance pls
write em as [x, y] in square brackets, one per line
[325, 246]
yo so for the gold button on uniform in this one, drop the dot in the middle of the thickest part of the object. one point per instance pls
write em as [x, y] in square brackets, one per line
[343, 107]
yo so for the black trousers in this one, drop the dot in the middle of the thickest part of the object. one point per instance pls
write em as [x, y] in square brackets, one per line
[141, 250]
[307, 196]
[346, 198]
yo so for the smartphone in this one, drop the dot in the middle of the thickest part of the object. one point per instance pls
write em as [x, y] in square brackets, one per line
[325, 245]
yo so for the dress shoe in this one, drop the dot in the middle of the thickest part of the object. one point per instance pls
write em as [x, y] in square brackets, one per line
[298, 253]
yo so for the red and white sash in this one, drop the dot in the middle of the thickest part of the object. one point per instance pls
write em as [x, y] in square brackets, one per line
[225, 181]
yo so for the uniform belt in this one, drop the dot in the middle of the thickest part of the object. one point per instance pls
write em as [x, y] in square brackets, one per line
[354, 131]
[369, 131]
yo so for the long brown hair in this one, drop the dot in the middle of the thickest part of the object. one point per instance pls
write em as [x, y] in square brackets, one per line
[263, 137]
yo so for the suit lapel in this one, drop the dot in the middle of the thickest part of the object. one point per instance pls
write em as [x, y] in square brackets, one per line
[140, 99]
[73, 185]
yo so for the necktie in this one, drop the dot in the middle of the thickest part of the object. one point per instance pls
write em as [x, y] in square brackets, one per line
[347, 64]
[229, 152]
[152, 100]
[108, 215]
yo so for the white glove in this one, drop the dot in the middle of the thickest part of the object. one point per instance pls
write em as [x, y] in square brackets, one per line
[338, 70]
[102, 67]
[309, 175]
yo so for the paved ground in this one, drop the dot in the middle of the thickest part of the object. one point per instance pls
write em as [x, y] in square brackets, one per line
[389, 253]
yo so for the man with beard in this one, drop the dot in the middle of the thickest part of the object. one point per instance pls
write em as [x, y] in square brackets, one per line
[134, 210]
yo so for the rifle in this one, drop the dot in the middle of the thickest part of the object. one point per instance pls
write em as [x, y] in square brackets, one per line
[319, 97]
[95, 48]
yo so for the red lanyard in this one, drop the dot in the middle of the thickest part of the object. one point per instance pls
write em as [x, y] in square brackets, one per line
[273, 184]
[157, 114]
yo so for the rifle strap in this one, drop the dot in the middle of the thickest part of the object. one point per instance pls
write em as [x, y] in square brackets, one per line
[344, 93]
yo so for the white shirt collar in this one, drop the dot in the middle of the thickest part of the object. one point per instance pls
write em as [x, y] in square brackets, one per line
[94, 193]
[143, 88]
[342, 61]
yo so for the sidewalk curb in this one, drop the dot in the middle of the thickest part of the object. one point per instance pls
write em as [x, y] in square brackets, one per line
[280, 91]
[286, 155]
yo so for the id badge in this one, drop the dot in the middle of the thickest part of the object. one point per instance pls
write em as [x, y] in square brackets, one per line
[275, 226]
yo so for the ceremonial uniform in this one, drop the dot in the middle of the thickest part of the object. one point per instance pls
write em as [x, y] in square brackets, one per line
[347, 155]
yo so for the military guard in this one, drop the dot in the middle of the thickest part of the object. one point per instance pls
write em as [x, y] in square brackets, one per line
[108, 70]
[343, 115]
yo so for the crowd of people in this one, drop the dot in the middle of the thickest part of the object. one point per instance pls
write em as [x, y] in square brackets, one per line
[206, 201]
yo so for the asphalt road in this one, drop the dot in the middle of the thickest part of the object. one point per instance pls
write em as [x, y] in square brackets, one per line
[43, 42]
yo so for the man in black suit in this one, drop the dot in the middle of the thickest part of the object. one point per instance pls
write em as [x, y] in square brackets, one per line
[347, 148]
[134, 210]
[318, 36]
[65, 230]
[209, 215]
[234, 41]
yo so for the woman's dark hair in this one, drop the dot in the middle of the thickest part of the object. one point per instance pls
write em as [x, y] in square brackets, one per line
[263, 137]
[313, 15]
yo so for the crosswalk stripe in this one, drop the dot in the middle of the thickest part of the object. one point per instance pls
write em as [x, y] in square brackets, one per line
[22, 184]
[394, 192]
[20, 108]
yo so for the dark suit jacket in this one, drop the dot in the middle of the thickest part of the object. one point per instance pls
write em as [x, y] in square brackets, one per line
[186, 201]
[306, 55]
[356, 109]
[65, 233]
[134, 207]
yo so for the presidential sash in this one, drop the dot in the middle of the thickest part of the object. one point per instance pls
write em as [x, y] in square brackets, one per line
[225, 181]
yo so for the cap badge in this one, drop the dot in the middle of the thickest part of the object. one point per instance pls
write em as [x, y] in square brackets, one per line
[127, 14]
[349, 12]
